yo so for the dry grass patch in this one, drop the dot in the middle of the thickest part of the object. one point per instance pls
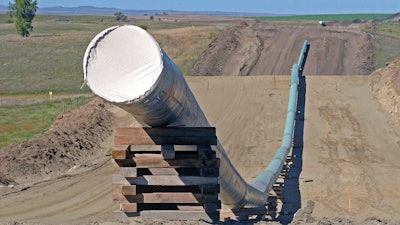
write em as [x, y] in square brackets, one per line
[185, 45]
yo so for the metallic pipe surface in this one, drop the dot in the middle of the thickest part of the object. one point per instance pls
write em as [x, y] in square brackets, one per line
[125, 66]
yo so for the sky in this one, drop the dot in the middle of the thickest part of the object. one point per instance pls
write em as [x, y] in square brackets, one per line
[255, 6]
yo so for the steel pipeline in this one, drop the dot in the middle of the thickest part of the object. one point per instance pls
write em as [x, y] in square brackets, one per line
[125, 66]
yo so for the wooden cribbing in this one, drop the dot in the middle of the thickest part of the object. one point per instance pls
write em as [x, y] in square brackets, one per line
[165, 136]
[166, 173]
[167, 198]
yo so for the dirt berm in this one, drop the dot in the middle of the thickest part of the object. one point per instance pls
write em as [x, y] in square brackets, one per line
[271, 48]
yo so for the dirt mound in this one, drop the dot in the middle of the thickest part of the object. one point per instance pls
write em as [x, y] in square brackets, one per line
[73, 138]
[271, 48]
[385, 83]
[213, 60]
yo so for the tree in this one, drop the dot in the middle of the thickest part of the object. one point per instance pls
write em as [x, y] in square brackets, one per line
[120, 17]
[23, 12]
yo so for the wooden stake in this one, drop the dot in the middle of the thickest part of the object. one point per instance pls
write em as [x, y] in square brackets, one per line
[349, 199]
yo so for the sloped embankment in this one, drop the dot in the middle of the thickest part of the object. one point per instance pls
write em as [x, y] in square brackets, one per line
[74, 137]
[385, 84]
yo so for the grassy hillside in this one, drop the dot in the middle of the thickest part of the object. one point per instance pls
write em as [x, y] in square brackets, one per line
[51, 59]
[387, 36]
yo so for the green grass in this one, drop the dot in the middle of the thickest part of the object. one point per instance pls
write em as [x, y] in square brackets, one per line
[387, 36]
[328, 17]
[389, 29]
[18, 123]
[51, 58]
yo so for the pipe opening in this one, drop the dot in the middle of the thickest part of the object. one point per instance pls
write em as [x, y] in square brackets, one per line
[122, 63]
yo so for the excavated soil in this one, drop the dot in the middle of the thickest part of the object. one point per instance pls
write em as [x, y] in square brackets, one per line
[266, 48]
[69, 145]
[351, 133]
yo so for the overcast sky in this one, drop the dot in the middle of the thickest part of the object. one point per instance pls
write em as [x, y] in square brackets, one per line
[258, 6]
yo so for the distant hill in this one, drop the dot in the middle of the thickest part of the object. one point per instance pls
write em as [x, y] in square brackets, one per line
[3, 9]
[394, 18]
[90, 10]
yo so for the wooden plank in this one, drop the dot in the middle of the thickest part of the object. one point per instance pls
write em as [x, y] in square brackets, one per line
[119, 179]
[120, 151]
[209, 171]
[140, 189]
[210, 189]
[127, 190]
[128, 207]
[134, 172]
[121, 147]
[118, 154]
[128, 171]
[178, 154]
[178, 215]
[144, 148]
[152, 162]
[158, 140]
[171, 180]
[245, 212]
[148, 155]
[207, 154]
[163, 171]
[166, 131]
[177, 197]
[128, 162]
[117, 197]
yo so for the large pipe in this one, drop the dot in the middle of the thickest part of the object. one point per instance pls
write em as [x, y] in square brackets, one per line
[267, 178]
[125, 66]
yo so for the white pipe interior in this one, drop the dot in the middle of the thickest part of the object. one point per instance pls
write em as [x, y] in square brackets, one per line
[122, 63]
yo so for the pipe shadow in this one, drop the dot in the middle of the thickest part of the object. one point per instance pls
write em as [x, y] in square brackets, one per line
[291, 196]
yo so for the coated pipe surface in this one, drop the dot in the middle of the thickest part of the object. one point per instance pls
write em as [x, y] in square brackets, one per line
[125, 66]
[267, 178]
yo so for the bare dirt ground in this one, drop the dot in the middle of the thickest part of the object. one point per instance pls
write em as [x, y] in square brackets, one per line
[271, 48]
[351, 133]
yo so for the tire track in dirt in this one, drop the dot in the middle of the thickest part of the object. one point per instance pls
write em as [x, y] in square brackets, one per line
[352, 150]
[345, 133]
[267, 48]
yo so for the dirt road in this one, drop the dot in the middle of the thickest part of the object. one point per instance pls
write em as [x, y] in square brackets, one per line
[271, 48]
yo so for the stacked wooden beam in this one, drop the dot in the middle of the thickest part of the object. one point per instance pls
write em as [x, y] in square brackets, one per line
[167, 173]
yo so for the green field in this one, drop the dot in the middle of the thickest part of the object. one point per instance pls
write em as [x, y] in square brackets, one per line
[51, 58]
[18, 123]
[328, 17]
[388, 38]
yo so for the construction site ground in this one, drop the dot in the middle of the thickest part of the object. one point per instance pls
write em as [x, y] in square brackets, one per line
[349, 159]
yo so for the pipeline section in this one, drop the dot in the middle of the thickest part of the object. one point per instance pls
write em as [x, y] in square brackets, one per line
[268, 177]
[125, 66]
